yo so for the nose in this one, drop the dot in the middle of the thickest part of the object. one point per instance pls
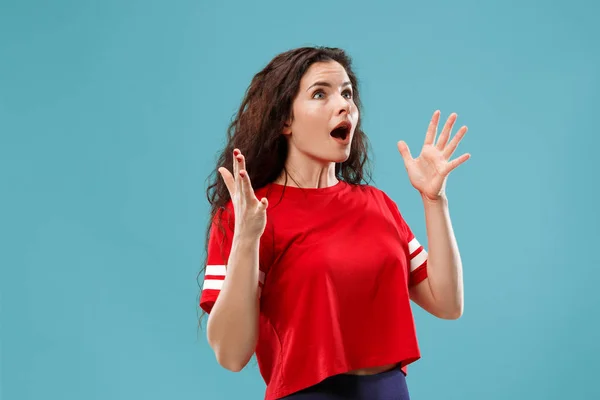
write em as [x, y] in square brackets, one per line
[344, 105]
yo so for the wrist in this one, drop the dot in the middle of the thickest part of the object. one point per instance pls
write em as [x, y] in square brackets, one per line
[441, 199]
[245, 239]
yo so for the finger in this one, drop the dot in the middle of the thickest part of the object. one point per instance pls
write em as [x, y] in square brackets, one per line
[263, 204]
[449, 150]
[238, 161]
[404, 151]
[235, 163]
[443, 139]
[431, 130]
[456, 162]
[242, 159]
[241, 162]
[247, 191]
[228, 179]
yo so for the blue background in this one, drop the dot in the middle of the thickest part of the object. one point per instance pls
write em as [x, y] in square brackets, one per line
[111, 115]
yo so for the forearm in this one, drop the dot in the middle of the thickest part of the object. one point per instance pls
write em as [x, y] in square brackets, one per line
[232, 327]
[444, 266]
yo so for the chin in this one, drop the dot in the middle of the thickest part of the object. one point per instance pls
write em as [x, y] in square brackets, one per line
[342, 157]
[332, 156]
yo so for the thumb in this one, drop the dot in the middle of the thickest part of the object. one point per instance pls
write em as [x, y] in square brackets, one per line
[404, 151]
[263, 204]
[228, 179]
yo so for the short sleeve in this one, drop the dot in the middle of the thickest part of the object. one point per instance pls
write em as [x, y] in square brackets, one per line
[417, 255]
[417, 258]
[219, 247]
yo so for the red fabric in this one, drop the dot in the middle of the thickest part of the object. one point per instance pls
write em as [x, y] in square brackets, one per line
[336, 264]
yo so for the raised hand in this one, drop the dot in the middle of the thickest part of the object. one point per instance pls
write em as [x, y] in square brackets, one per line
[250, 213]
[429, 171]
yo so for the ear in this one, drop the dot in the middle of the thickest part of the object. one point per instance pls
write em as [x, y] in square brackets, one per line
[287, 128]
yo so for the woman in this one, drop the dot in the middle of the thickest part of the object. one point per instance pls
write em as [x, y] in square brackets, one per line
[308, 266]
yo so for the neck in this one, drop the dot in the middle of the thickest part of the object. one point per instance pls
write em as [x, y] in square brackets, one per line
[307, 172]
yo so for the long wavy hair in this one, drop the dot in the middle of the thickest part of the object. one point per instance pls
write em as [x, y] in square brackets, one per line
[257, 128]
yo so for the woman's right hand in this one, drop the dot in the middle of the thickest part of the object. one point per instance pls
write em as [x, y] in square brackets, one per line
[250, 213]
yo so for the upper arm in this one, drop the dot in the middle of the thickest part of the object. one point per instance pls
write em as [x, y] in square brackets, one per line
[422, 295]
[418, 281]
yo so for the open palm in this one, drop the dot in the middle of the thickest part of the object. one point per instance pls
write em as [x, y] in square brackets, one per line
[429, 171]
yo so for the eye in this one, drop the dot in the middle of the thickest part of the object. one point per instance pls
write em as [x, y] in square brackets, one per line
[347, 93]
[318, 92]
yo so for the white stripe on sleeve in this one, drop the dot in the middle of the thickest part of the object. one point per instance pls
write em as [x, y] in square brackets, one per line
[214, 284]
[413, 245]
[221, 271]
[216, 270]
[418, 260]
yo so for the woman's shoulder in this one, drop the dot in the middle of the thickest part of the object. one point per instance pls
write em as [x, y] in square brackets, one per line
[369, 189]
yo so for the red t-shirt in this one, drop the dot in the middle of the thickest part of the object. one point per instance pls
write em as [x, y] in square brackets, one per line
[336, 264]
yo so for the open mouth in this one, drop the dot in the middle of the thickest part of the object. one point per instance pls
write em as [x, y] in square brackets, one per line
[341, 132]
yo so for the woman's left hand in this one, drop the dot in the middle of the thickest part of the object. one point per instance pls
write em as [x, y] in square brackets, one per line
[429, 171]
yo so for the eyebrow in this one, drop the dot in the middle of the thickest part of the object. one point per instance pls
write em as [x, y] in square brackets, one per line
[327, 84]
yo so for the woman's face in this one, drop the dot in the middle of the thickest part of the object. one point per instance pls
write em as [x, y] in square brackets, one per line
[323, 103]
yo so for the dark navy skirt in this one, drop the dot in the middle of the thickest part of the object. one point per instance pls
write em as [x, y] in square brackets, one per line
[389, 385]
